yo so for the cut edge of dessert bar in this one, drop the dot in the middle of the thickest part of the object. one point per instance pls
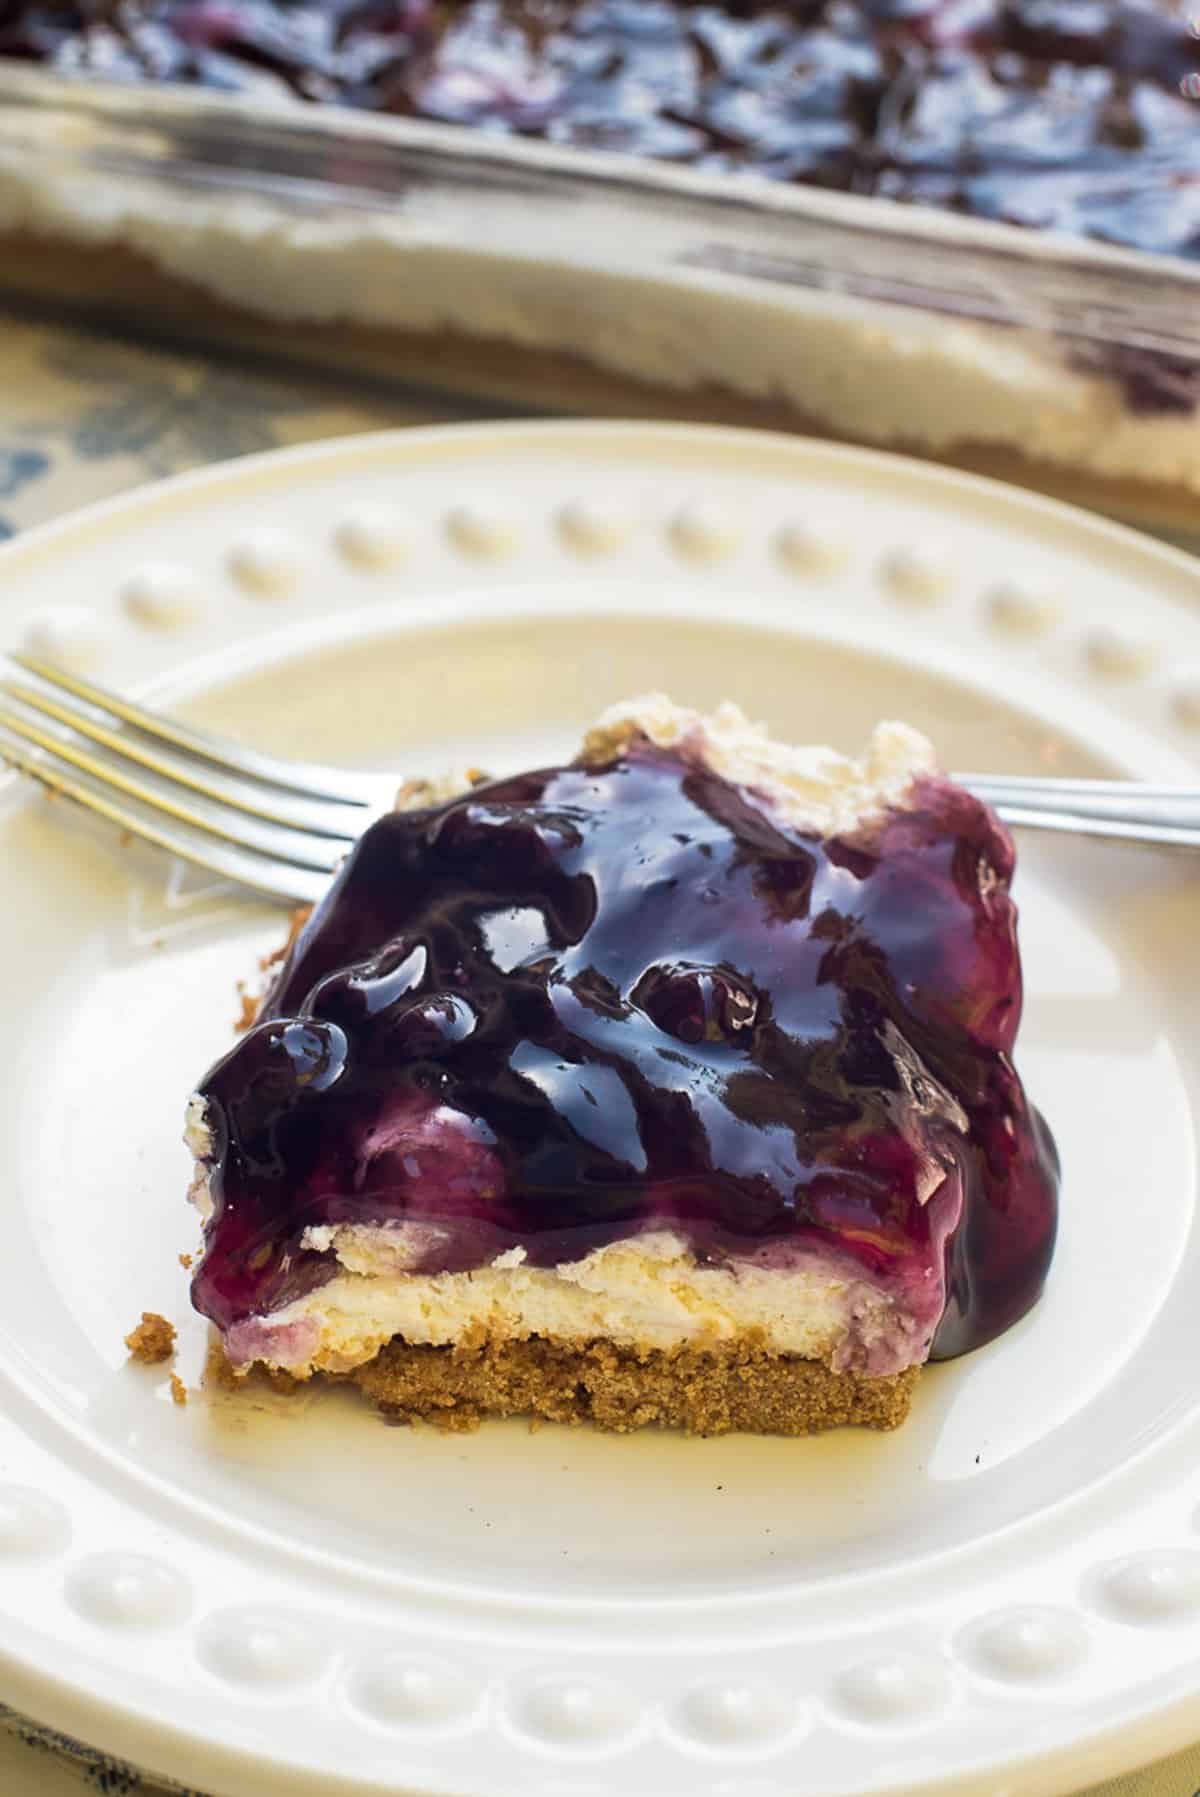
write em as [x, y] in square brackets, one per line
[644, 1328]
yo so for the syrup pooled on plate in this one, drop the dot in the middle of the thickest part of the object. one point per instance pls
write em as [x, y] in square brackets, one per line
[594, 1000]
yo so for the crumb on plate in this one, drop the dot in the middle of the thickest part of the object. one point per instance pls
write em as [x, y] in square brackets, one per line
[250, 1002]
[153, 1341]
[249, 1012]
[296, 923]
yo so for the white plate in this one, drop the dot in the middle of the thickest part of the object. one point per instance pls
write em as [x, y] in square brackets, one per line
[299, 1599]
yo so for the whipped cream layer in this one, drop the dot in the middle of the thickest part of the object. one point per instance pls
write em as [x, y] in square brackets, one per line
[647, 1293]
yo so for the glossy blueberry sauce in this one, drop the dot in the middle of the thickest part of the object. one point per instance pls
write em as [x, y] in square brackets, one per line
[585, 1002]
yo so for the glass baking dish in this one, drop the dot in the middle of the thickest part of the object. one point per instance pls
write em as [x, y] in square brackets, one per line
[561, 280]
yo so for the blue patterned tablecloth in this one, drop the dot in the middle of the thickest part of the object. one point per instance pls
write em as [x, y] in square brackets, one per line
[83, 416]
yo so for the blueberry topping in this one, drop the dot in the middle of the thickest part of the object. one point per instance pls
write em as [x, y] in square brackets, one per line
[697, 1004]
[589, 1001]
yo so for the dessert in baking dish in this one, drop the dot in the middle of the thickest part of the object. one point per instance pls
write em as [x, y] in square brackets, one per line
[1070, 114]
[673, 1085]
[1070, 117]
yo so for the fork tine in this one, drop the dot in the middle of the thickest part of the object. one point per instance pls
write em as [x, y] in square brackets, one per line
[317, 818]
[273, 879]
[306, 780]
[317, 853]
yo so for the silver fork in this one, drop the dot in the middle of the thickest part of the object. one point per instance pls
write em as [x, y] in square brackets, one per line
[282, 827]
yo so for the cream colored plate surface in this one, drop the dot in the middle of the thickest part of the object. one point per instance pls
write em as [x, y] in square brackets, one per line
[301, 1599]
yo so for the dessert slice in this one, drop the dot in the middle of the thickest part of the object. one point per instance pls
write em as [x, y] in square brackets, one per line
[672, 1085]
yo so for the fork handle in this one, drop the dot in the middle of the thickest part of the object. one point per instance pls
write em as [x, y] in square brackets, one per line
[1130, 801]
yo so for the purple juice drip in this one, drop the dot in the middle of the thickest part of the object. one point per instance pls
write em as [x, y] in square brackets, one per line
[581, 1003]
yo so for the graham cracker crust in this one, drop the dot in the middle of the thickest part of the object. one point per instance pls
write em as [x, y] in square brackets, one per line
[152, 1341]
[703, 1391]
[120, 289]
